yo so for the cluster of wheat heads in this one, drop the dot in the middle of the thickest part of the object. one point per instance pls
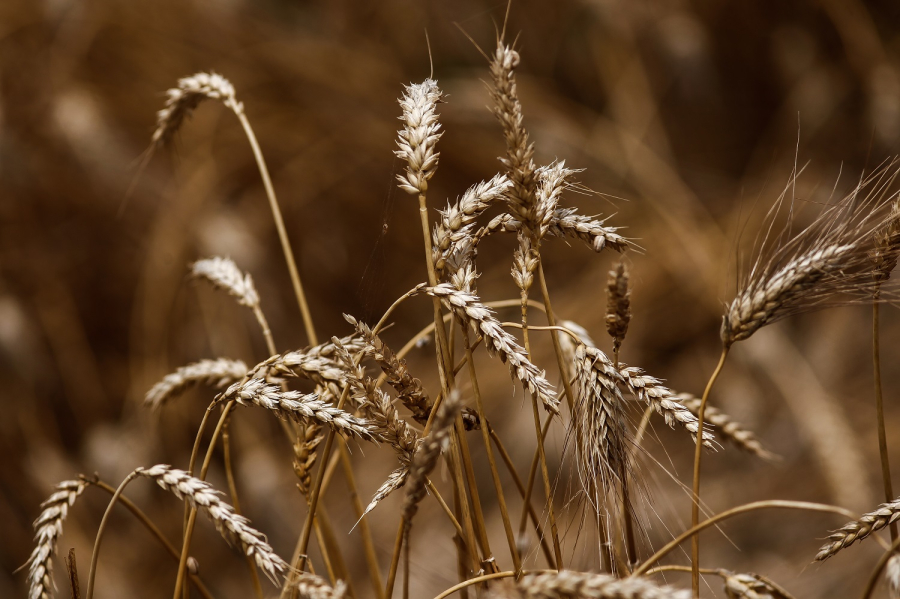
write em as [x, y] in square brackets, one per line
[845, 255]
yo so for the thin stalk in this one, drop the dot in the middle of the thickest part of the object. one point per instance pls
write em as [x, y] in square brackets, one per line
[154, 530]
[395, 560]
[545, 475]
[434, 492]
[236, 504]
[551, 320]
[530, 508]
[529, 486]
[626, 514]
[282, 231]
[364, 530]
[741, 509]
[879, 412]
[192, 518]
[698, 453]
[478, 520]
[96, 553]
[486, 437]
[329, 567]
[879, 567]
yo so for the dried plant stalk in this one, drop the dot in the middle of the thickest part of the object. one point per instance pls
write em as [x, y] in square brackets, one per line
[887, 513]
[48, 528]
[728, 429]
[234, 528]
[293, 405]
[469, 309]
[584, 585]
[216, 373]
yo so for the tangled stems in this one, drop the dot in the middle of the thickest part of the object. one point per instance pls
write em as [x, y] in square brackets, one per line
[698, 452]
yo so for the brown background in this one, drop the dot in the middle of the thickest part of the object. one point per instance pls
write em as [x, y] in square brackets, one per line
[684, 114]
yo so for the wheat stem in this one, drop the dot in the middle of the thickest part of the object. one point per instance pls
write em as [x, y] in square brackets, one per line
[741, 509]
[698, 452]
[282, 231]
[364, 529]
[879, 413]
[492, 462]
[236, 504]
[96, 552]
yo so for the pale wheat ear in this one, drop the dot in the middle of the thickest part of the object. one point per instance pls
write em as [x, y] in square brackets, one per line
[584, 585]
[216, 373]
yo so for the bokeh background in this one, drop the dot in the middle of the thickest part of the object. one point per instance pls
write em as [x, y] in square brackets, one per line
[687, 116]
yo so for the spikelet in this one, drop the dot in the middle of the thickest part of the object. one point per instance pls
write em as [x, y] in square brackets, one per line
[216, 373]
[552, 180]
[182, 100]
[419, 136]
[310, 586]
[47, 530]
[565, 223]
[749, 586]
[233, 527]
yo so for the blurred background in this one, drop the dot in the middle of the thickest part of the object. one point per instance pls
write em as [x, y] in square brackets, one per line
[688, 117]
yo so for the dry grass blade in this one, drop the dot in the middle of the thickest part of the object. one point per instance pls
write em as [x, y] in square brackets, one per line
[584, 585]
[859, 529]
[419, 136]
[216, 373]
[48, 528]
[469, 309]
[234, 528]
[310, 586]
[182, 100]
[728, 430]
[224, 274]
[293, 405]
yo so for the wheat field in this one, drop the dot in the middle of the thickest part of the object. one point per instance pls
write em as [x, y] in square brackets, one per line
[585, 300]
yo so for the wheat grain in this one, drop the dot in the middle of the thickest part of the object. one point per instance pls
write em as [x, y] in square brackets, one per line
[584, 585]
[304, 446]
[48, 528]
[859, 529]
[727, 429]
[216, 373]
[182, 100]
[469, 308]
[419, 136]
[293, 405]
[234, 528]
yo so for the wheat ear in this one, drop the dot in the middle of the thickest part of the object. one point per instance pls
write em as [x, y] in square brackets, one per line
[892, 575]
[224, 274]
[887, 513]
[567, 584]
[47, 529]
[728, 430]
[293, 405]
[310, 586]
[234, 528]
[750, 586]
[618, 305]
[216, 373]
[565, 223]
[182, 100]
[419, 136]
[468, 307]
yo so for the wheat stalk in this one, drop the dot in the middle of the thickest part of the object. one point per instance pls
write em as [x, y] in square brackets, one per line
[182, 100]
[584, 585]
[293, 405]
[234, 528]
[48, 528]
[216, 373]
[885, 514]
